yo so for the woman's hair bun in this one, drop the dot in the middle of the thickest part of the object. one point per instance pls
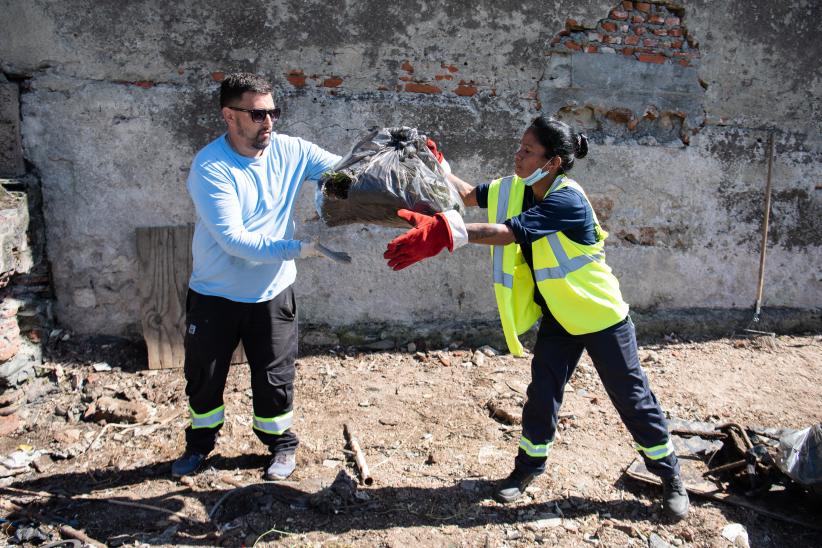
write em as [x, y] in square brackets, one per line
[581, 148]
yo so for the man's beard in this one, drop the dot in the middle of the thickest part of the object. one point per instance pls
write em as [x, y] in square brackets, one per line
[260, 141]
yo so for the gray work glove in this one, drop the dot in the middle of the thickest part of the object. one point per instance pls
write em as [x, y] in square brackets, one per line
[313, 248]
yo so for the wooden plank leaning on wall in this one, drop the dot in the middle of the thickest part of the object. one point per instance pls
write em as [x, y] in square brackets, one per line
[164, 257]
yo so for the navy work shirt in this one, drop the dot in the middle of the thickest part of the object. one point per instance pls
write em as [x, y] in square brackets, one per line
[563, 210]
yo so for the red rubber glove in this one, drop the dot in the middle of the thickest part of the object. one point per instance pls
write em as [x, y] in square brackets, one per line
[430, 235]
[432, 146]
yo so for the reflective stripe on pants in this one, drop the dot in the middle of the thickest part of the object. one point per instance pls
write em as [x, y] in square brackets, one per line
[275, 425]
[209, 419]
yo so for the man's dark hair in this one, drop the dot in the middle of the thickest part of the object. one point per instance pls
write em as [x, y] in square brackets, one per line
[237, 83]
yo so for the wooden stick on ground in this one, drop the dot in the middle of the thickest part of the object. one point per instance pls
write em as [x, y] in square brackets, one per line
[71, 532]
[359, 457]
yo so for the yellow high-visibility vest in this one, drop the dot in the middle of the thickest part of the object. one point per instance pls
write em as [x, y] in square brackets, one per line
[573, 279]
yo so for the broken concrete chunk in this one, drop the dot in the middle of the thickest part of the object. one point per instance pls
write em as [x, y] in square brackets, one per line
[113, 410]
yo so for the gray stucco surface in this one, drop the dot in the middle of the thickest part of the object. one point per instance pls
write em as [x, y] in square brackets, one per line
[119, 96]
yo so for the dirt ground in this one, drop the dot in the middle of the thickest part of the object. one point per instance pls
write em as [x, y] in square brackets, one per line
[422, 420]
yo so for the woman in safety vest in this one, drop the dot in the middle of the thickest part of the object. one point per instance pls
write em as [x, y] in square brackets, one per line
[548, 262]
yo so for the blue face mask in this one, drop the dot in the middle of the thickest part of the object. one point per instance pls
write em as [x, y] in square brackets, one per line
[536, 175]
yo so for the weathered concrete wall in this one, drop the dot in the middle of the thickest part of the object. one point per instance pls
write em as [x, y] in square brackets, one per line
[678, 100]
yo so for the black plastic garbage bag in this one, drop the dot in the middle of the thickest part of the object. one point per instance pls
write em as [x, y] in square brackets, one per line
[390, 169]
[800, 457]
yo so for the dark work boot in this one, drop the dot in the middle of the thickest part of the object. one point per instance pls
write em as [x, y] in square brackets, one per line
[189, 463]
[675, 497]
[512, 487]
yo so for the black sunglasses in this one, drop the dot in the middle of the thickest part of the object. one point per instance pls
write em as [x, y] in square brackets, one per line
[258, 114]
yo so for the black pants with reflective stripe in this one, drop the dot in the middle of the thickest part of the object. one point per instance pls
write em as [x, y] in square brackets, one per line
[614, 354]
[268, 331]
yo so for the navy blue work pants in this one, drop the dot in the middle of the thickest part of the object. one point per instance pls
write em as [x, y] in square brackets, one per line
[268, 331]
[614, 354]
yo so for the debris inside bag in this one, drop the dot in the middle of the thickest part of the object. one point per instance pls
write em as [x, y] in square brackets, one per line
[391, 169]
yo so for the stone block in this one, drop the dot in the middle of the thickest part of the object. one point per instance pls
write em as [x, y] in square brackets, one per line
[11, 148]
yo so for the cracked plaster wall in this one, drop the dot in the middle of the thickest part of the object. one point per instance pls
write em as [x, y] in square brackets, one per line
[119, 96]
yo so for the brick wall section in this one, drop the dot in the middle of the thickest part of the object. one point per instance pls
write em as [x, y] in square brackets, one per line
[25, 280]
[427, 78]
[650, 32]
[9, 329]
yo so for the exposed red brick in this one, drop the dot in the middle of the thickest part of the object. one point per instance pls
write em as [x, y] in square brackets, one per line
[444, 77]
[620, 115]
[640, 31]
[573, 24]
[612, 39]
[656, 20]
[676, 44]
[332, 82]
[627, 5]
[383, 87]
[619, 15]
[643, 6]
[628, 51]
[145, 84]
[607, 26]
[417, 87]
[10, 425]
[650, 42]
[632, 40]
[407, 66]
[652, 58]
[296, 78]
[465, 89]
[407, 78]
[590, 48]
[450, 68]
[555, 40]
[217, 76]
[661, 32]
[683, 62]
[672, 21]
[633, 123]
[570, 44]
[636, 19]
[564, 32]
[675, 32]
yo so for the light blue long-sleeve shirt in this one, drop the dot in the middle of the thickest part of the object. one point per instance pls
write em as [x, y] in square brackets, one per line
[243, 240]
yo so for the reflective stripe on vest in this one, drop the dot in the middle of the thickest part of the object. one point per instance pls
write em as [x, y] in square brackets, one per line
[276, 425]
[534, 450]
[209, 419]
[656, 452]
[501, 277]
[566, 265]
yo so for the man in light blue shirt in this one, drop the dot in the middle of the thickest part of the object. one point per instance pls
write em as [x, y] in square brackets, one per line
[243, 185]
